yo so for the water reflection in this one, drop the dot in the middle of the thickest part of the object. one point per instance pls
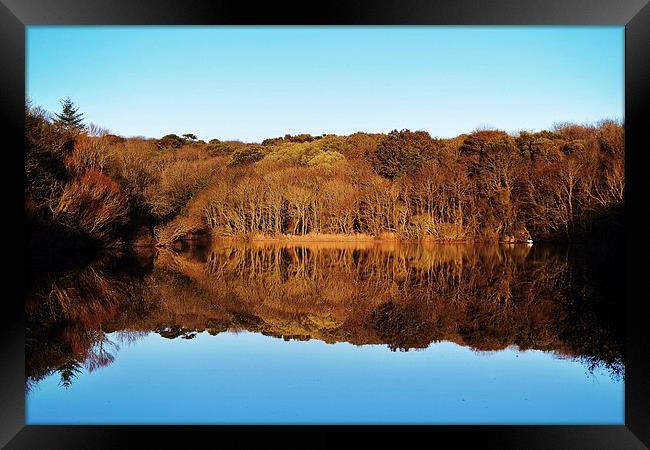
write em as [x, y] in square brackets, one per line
[405, 296]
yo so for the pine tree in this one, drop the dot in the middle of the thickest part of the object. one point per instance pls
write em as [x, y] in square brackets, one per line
[69, 371]
[70, 118]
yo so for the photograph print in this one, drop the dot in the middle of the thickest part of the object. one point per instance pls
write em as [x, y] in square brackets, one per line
[325, 225]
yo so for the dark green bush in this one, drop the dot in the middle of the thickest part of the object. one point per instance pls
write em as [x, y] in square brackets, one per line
[170, 141]
[402, 152]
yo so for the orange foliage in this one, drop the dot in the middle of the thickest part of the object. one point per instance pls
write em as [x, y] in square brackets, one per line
[92, 203]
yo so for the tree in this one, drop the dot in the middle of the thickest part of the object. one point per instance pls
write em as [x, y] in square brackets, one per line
[70, 118]
[170, 141]
[68, 372]
[402, 153]
[300, 138]
[190, 136]
[273, 141]
[46, 146]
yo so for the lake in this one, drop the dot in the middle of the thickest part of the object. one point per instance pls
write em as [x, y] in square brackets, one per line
[354, 332]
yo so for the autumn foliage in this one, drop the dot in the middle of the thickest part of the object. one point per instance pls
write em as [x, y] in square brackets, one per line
[487, 185]
[92, 203]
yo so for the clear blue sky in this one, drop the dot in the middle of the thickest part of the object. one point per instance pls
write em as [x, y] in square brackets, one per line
[251, 83]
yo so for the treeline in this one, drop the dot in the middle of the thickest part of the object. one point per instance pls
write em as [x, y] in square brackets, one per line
[486, 185]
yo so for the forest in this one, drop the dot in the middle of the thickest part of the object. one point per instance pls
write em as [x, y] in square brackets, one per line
[86, 187]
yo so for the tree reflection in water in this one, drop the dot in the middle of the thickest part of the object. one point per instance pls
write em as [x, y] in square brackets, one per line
[407, 296]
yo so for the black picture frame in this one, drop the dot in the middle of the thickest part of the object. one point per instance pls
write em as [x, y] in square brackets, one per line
[15, 15]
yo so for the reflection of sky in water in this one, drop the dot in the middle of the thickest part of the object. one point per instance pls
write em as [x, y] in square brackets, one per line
[251, 378]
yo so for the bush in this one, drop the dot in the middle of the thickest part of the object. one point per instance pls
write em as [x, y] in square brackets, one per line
[300, 138]
[217, 148]
[132, 164]
[326, 158]
[333, 143]
[293, 153]
[246, 155]
[170, 141]
[272, 141]
[88, 154]
[175, 230]
[113, 139]
[423, 226]
[92, 204]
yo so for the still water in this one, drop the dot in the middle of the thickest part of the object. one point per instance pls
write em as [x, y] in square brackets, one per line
[329, 333]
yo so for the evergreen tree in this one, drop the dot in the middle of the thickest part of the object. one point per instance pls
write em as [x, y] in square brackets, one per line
[69, 371]
[70, 118]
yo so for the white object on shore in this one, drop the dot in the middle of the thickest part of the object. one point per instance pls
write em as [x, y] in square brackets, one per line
[530, 241]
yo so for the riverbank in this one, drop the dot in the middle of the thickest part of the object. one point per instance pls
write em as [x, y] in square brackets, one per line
[384, 237]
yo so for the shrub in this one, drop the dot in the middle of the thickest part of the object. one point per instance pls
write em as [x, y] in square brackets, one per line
[175, 230]
[246, 155]
[333, 143]
[326, 158]
[300, 138]
[170, 141]
[217, 148]
[132, 165]
[272, 141]
[292, 153]
[113, 139]
[92, 204]
[88, 154]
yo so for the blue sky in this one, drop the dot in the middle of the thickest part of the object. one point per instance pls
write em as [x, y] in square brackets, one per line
[250, 83]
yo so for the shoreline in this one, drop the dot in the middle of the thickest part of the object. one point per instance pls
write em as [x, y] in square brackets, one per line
[362, 238]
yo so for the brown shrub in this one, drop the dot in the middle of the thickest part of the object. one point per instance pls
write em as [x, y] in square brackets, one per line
[89, 153]
[92, 204]
[173, 231]
[178, 183]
